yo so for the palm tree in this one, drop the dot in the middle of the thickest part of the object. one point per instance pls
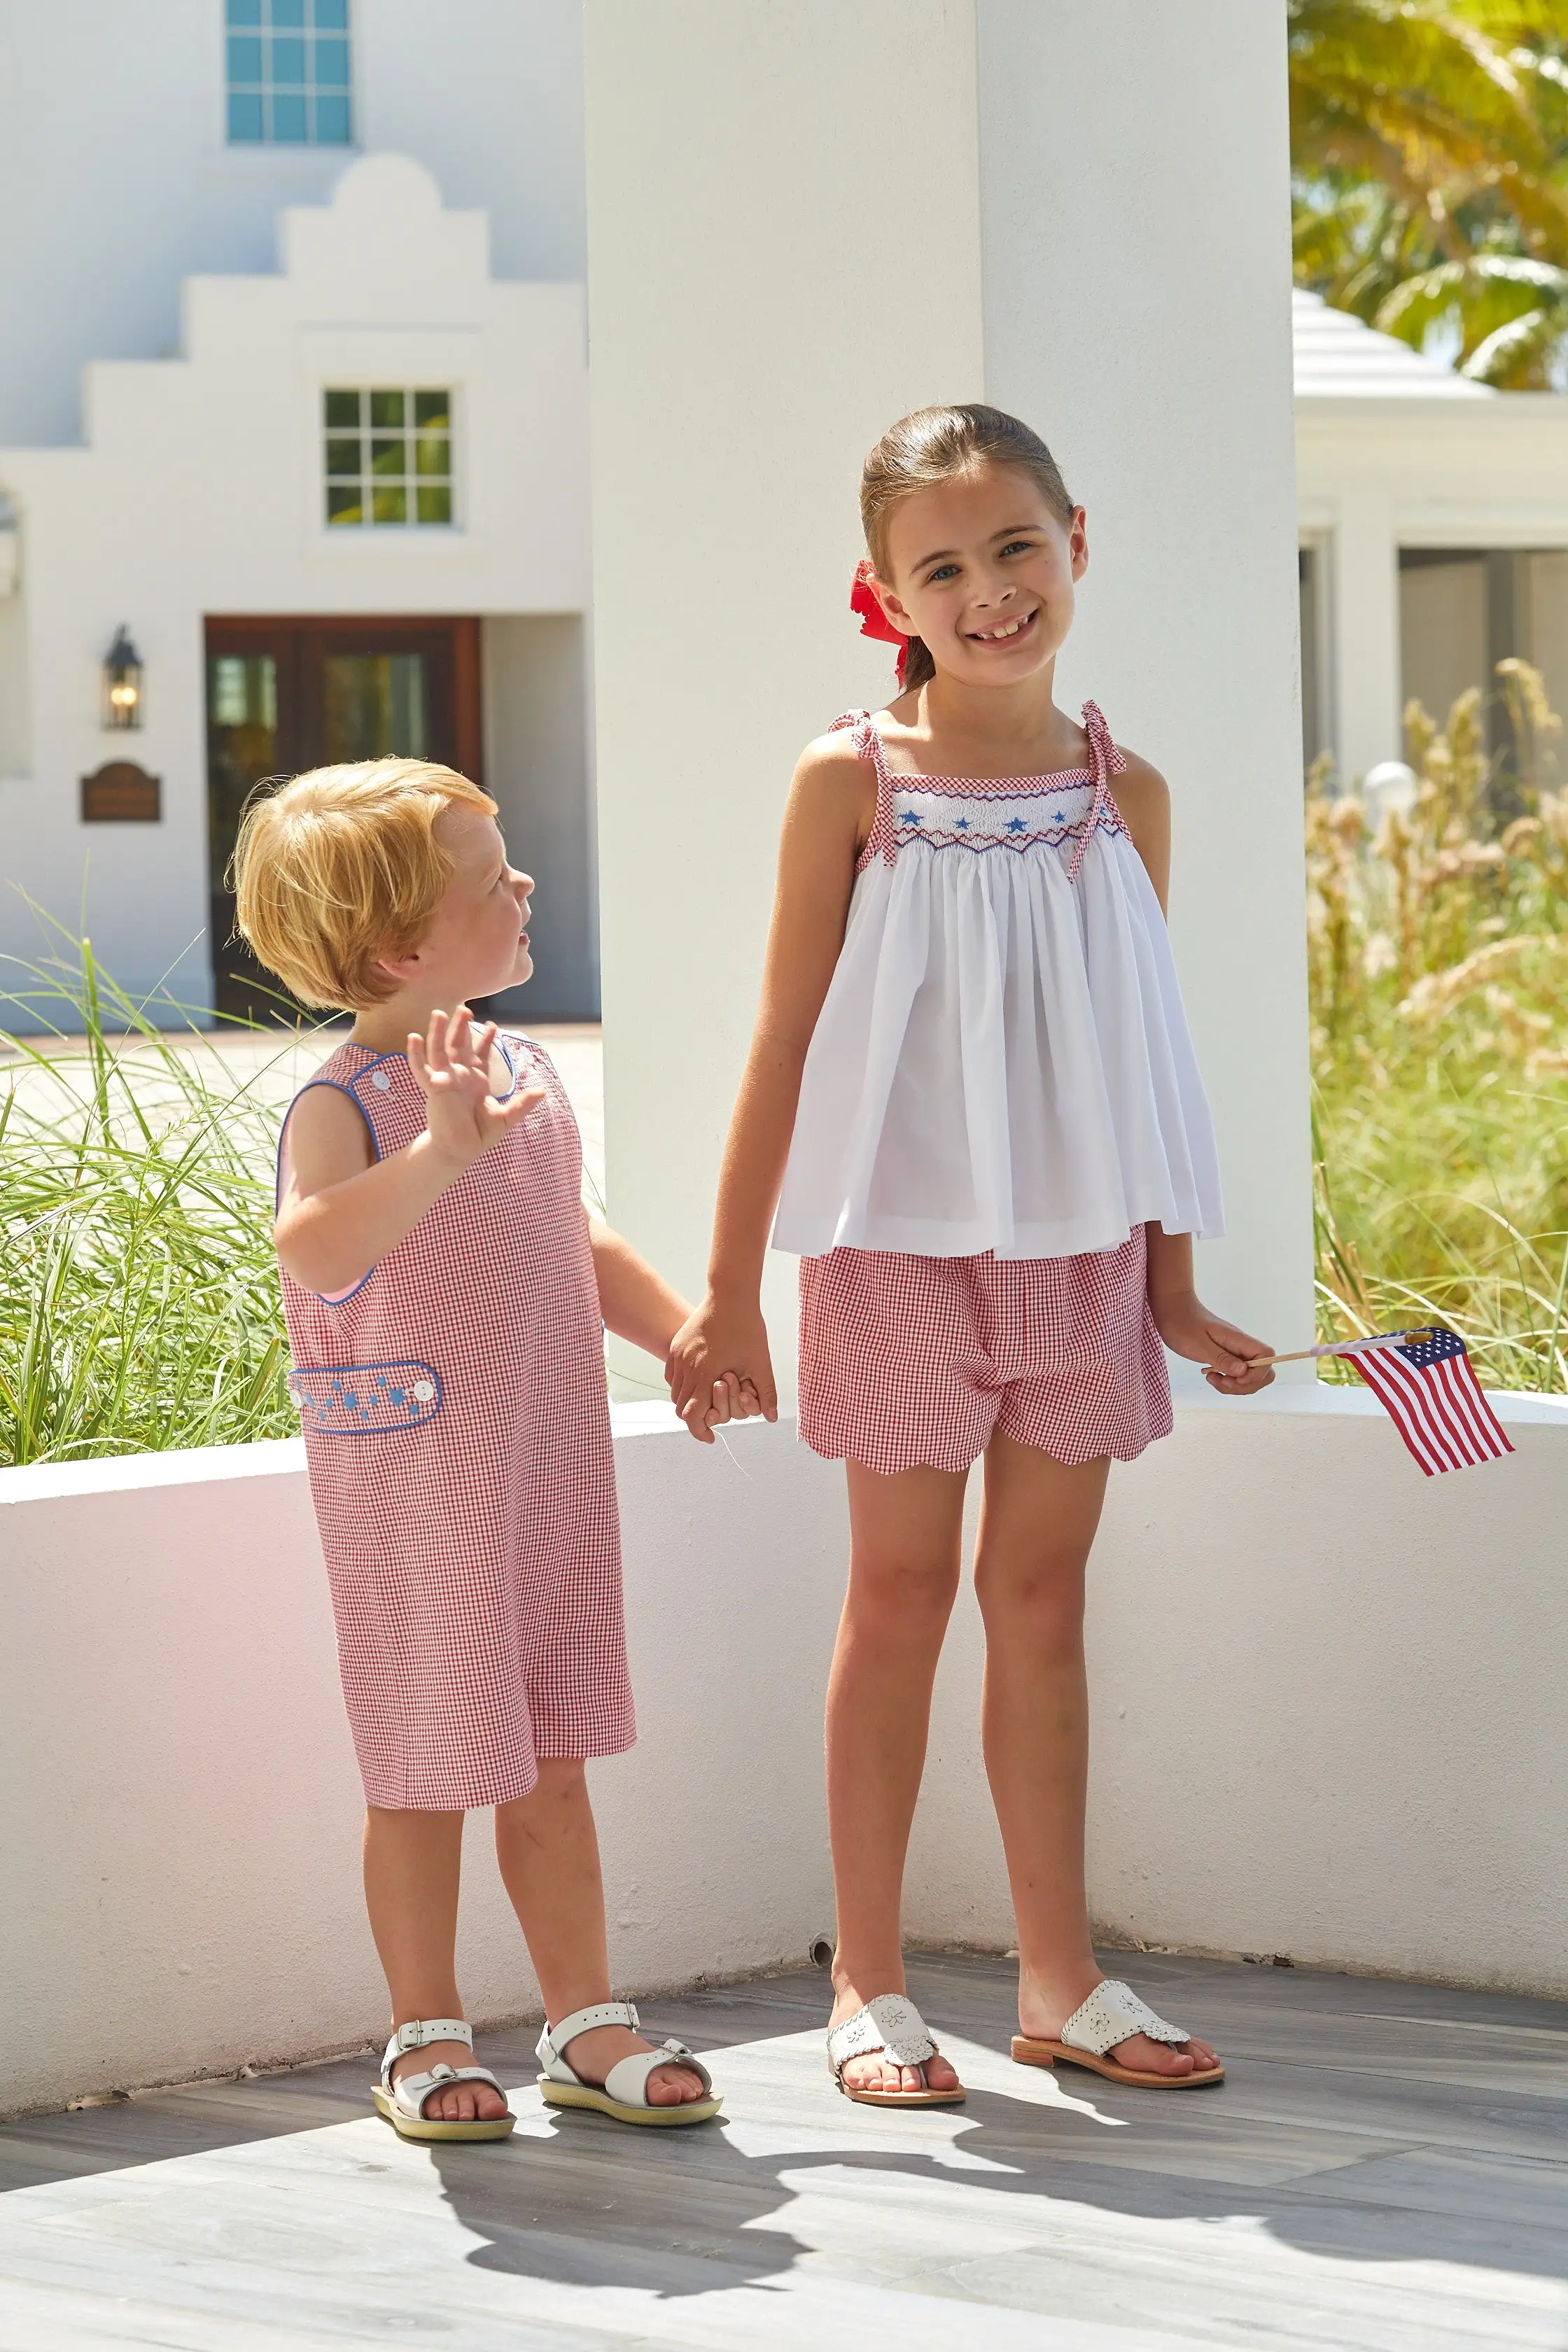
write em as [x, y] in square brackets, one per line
[1430, 145]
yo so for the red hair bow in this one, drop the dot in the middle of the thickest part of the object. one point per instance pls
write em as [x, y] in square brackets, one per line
[874, 622]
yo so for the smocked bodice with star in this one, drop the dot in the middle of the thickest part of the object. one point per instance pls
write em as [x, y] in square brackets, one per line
[1001, 1061]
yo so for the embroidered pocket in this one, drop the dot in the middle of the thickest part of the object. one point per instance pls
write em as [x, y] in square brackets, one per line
[338, 1399]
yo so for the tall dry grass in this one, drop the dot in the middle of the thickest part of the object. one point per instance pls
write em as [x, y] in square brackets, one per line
[1437, 956]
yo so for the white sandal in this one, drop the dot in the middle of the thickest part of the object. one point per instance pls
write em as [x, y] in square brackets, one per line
[403, 2103]
[893, 2024]
[1112, 2014]
[624, 2091]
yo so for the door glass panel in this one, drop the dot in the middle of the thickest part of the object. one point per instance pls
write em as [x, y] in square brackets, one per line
[374, 707]
[242, 742]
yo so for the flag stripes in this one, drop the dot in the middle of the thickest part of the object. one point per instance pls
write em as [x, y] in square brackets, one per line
[1435, 1401]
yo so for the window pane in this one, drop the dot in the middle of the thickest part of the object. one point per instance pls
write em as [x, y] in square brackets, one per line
[332, 127]
[434, 505]
[243, 58]
[288, 121]
[343, 457]
[288, 64]
[343, 503]
[435, 454]
[387, 408]
[330, 16]
[387, 458]
[244, 117]
[288, 12]
[331, 65]
[389, 505]
[432, 408]
[342, 408]
[244, 12]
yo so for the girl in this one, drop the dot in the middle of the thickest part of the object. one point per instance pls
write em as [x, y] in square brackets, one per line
[973, 1098]
[443, 1292]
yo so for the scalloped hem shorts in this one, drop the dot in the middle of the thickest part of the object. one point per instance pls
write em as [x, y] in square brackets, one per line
[907, 1360]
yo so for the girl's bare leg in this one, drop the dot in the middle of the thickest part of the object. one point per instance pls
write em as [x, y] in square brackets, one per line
[903, 1573]
[1037, 1527]
[412, 1863]
[548, 1851]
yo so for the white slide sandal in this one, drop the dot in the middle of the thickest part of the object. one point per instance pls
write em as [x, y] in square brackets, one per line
[625, 2092]
[893, 2024]
[403, 2103]
[1112, 2013]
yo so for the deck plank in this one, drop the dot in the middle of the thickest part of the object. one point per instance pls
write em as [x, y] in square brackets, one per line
[1385, 2170]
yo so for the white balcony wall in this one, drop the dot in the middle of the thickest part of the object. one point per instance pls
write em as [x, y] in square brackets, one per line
[1326, 1725]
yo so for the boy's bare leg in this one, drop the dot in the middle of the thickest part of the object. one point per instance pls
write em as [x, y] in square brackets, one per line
[549, 1855]
[1039, 1520]
[903, 1573]
[412, 1863]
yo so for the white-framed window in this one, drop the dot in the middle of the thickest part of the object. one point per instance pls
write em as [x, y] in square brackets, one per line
[387, 455]
[288, 71]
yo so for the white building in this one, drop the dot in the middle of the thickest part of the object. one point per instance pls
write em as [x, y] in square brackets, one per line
[293, 392]
[1433, 520]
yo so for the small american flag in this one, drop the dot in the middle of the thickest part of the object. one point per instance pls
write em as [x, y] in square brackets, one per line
[1429, 1384]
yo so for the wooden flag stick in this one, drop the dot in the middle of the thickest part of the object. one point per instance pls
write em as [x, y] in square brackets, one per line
[1345, 1347]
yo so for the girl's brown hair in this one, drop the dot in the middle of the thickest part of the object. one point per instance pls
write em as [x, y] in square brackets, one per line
[931, 445]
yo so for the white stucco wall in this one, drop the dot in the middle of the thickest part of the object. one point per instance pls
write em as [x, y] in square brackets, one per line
[1331, 1731]
[1138, 311]
[117, 180]
[756, 235]
[199, 491]
[770, 286]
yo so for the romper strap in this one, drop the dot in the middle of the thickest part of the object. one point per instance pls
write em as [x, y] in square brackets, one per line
[1105, 762]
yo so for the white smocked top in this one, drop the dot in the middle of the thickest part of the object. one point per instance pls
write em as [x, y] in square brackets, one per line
[1001, 1061]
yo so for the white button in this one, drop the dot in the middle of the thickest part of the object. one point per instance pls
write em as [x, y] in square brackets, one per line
[382, 1078]
[424, 1391]
[300, 1399]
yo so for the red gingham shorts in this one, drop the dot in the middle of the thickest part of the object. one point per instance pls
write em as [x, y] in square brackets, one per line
[908, 1360]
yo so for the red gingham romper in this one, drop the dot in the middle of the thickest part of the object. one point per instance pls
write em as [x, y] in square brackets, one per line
[916, 1356]
[457, 1431]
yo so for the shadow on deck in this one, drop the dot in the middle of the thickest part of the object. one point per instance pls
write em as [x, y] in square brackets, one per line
[1386, 2166]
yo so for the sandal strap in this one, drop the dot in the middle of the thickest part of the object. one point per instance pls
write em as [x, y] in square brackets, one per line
[1112, 2013]
[554, 2038]
[411, 2091]
[627, 2079]
[418, 2034]
[891, 2022]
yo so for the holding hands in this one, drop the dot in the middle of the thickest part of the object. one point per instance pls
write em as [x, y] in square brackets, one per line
[451, 1066]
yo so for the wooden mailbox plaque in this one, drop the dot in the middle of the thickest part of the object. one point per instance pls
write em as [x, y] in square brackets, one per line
[120, 793]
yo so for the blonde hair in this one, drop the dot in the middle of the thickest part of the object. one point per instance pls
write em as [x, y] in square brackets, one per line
[935, 444]
[341, 866]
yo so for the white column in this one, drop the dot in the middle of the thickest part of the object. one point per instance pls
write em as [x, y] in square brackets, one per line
[784, 257]
[1364, 628]
[1138, 314]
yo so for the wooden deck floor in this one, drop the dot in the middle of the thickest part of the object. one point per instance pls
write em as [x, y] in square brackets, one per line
[1385, 2170]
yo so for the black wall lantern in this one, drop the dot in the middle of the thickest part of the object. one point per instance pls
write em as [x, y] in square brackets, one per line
[121, 683]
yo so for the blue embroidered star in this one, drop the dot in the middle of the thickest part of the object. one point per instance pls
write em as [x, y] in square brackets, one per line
[1016, 824]
[962, 824]
[912, 817]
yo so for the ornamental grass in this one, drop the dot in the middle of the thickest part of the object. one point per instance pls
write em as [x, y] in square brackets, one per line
[1438, 953]
[139, 1305]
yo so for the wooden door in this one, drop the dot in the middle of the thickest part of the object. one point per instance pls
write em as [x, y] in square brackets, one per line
[287, 694]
